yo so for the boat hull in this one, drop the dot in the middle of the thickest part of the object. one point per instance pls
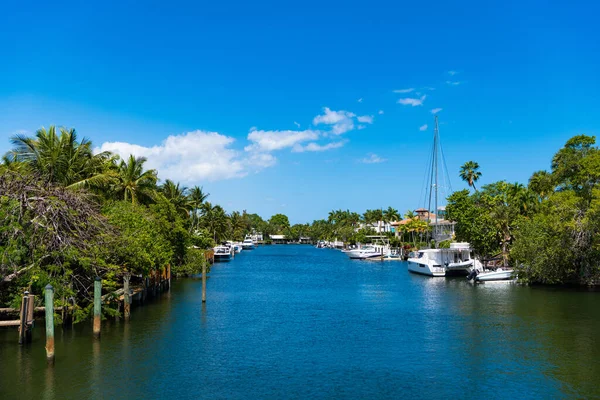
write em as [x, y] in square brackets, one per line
[417, 267]
[222, 257]
[504, 275]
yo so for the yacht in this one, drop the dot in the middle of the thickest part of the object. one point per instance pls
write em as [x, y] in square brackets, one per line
[222, 253]
[444, 262]
[368, 251]
[248, 243]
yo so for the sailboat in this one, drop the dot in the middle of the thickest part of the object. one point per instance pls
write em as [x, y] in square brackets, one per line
[455, 260]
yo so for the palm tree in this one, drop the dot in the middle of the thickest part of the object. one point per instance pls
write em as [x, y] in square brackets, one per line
[390, 215]
[237, 225]
[62, 159]
[176, 196]
[409, 214]
[541, 183]
[469, 173]
[196, 198]
[133, 183]
[215, 220]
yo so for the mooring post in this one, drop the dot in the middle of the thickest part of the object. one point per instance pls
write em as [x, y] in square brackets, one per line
[204, 281]
[49, 303]
[97, 306]
[169, 276]
[30, 322]
[23, 319]
[126, 298]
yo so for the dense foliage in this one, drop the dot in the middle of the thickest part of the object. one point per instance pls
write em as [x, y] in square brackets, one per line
[550, 230]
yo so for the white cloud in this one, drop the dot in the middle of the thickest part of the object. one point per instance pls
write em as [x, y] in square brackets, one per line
[360, 100]
[266, 141]
[453, 83]
[428, 88]
[372, 158]
[295, 123]
[317, 147]
[436, 110]
[404, 90]
[380, 112]
[413, 101]
[365, 119]
[194, 156]
[423, 128]
[341, 121]
[452, 73]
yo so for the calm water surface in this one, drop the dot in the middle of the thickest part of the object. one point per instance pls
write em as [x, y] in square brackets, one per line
[300, 322]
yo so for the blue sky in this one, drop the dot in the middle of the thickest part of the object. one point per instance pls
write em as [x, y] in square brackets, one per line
[293, 107]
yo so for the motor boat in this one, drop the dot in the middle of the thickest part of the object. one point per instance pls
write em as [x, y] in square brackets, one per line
[368, 251]
[248, 244]
[222, 253]
[499, 274]
[453, 261]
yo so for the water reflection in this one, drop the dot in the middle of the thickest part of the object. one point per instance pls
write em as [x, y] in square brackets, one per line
[287, 321]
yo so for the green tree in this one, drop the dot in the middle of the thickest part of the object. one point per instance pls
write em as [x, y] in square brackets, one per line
[469, 172]
[390, 215]
[61, 158]
[196, 198]
[279, 222]
[177, 196]
[132, 183]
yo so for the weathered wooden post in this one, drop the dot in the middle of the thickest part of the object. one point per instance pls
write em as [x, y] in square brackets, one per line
[126, 297]
[204, 281]
[49, 300]
[97, 306]
[169, 276]
[30, 309]
[23, 319]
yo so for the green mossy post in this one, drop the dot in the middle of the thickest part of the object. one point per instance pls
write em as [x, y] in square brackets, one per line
[97, 306]
[126, 297]
[204, 281]
[49, 303]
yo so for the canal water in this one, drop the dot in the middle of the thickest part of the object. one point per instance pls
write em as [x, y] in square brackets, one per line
[299, 322]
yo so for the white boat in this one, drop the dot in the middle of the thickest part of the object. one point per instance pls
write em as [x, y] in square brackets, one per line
[444, 262]
[222, 253]
[248, 244]
[494, 276]
[368, 251]
[237, 247]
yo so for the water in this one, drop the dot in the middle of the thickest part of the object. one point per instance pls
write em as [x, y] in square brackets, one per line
[299, 322]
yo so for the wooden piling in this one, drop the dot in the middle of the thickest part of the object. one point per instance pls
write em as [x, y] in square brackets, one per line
[126, 297]
[204, 281]
[30, 322]
[97, 306]
[49, 300]
[23, 319]
[169, 276]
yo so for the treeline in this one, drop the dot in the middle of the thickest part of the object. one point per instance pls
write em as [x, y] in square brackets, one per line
[549, 230]
[68, 215]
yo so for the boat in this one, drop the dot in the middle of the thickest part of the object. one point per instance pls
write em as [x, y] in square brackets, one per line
[236, 247]
[498, 275]
[222, 253]
[454, 261]
[248, 243]
[368, 251]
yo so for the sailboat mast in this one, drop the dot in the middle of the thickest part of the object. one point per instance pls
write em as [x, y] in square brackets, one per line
[435, 157]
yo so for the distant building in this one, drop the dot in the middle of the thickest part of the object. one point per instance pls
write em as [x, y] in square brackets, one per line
[441, 228]
[277, 239]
